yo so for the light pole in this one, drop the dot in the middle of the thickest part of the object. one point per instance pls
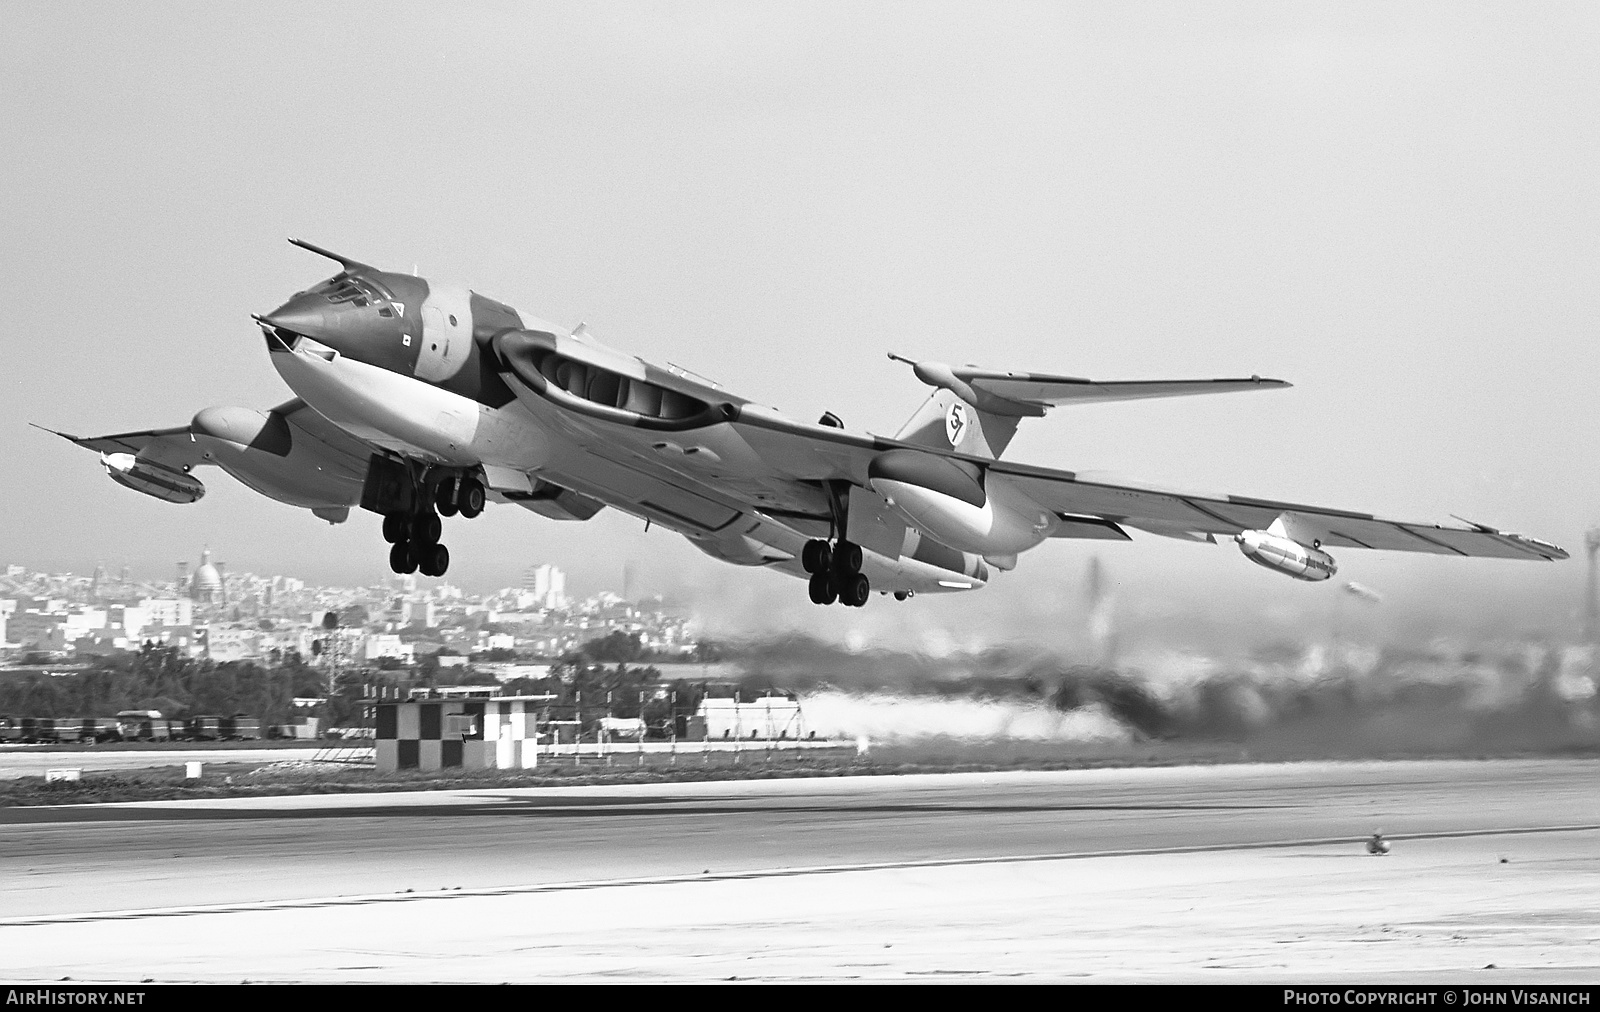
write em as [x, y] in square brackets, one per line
[330, 623]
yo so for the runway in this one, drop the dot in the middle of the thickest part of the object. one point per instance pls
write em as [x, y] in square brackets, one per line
[1217, 873]
[15, 763]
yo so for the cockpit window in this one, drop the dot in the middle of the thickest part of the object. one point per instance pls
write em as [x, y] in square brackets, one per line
[344, 291]
[356, 291]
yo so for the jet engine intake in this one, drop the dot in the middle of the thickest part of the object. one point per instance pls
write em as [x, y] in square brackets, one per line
[169, 484]
[1285, 555]
[956, 504]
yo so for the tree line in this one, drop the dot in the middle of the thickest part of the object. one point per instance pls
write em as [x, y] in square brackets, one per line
[604, 676]
[163, 678]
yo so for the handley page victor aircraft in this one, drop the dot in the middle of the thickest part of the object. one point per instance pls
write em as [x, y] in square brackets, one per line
[419, 401]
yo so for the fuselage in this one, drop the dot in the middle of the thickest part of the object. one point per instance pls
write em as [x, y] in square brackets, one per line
[455, 381]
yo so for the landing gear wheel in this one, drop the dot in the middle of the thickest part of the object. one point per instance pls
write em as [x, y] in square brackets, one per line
[470, 497]
[822, 591]
[394, 528]
[435, 560]
[816, 556]
[846, 558]
[425, 529]
[402, 559]
[901, 595]
[444, 499]
[854, 590]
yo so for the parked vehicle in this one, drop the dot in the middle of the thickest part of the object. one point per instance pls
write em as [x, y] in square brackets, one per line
[38, 729]
[98, 729]
[239, 727]
[206, 728]
[148, 725]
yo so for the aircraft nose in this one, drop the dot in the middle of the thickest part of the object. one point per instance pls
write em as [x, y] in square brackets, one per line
[350, 327]
[304, 314]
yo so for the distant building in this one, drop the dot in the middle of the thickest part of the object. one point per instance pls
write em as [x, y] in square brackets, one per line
[225, 643]
[37, 630]
[507, 671]
[378, 647]
[548, 585]
[206, 586]
[167, 610]
[769, 718]
[437, 733]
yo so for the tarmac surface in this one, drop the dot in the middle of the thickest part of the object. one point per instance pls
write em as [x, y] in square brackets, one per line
[1201, 873]
[17, 763]
[28, 761]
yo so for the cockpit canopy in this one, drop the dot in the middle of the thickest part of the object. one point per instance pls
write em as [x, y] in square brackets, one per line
[356, 290]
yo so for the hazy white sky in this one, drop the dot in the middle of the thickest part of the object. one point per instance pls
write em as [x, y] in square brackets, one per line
[1392, 206]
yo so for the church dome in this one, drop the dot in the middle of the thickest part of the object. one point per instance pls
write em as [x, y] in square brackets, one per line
[207, 582]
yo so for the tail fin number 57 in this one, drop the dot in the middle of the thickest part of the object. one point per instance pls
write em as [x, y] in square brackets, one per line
[955, 424]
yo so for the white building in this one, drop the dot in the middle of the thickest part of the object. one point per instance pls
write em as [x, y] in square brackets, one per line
[500, 641]
[380, 646]
[548, 584]
[768, 718]
[167, 611]
[233, 643]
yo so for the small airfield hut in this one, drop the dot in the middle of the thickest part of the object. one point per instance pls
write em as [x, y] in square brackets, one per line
[499, 732]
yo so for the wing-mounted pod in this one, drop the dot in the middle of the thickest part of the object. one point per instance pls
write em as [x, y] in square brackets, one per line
[153, 478]
[156, 462]
[290, 454]
[1291, 545]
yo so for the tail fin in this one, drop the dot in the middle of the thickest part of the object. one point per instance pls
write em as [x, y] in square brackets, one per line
[976, 411]
[945, 420]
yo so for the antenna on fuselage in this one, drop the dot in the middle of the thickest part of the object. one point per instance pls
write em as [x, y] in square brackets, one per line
[345, 262]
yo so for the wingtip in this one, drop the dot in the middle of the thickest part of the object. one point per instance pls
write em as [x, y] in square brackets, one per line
[54, 432]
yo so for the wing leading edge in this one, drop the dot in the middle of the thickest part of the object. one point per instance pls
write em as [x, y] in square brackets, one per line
[124, 442]
[1178, 514]
[813, 452]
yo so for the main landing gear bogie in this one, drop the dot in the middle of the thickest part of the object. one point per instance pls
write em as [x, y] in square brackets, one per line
[835, 572]
[460, 495]
[414, 537]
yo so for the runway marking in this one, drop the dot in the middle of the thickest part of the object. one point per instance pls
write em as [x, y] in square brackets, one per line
[408, 896]
[580, 808]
